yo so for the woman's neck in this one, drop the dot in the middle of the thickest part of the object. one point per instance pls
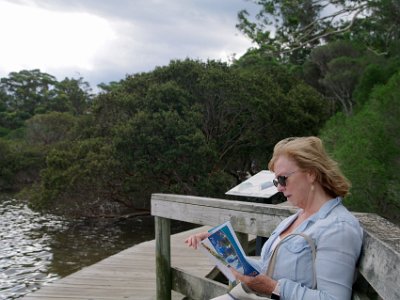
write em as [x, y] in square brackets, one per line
[317, 197]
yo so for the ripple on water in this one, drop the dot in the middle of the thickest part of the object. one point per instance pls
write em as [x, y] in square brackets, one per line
[24, 257]
[36, 249]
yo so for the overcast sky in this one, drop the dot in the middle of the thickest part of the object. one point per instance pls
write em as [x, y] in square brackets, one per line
[104, 40]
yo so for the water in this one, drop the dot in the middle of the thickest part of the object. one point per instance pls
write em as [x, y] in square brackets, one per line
[36, 249]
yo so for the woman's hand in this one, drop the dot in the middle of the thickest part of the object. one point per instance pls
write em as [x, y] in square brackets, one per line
[261, 283]
[195, 239]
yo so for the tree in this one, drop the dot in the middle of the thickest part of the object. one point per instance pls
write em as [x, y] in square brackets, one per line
[183, 128]
[289, 29]
[26, 93]
[28, 90]
[20, 165]
[379, 31]
[334, 69]
[376, 73]
[80, 180]
[5, 171]
[367, 147]
[73, 95]
[50, 128]
[341, 81]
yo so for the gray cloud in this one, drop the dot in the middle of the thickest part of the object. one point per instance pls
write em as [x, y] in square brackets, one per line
[150, 33]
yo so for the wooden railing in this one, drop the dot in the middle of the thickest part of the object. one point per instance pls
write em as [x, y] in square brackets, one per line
[379, 265]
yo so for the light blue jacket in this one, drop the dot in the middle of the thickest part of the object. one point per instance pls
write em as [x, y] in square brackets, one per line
[338, 238]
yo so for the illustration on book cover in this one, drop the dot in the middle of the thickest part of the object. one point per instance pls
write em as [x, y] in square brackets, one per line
[223, 247]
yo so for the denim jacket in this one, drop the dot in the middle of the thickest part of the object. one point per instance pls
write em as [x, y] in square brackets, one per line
[338, 238]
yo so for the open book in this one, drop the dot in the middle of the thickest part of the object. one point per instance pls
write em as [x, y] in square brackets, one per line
[224, 249]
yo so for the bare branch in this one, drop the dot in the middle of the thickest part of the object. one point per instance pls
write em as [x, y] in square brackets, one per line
[324, 35]
[308, 28]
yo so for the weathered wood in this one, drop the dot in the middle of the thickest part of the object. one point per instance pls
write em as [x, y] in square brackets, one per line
[360, 296]
[253, 218]
[244, 241]
[129, 274]
[380, 258]
[163, 257]
[379, 262]
[197, 288]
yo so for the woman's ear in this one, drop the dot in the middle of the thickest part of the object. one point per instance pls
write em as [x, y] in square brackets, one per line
[311, 176]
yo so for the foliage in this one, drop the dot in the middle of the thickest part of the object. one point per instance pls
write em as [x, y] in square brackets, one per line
[31, 121]
[72, 95]
[19, 165]
[77, 177]
[376, 73]
[334, 69]
[379, 30]
[50, 128]
[5, 172]
[367, 146]
[190, 127]
[288, 29]
[29, 92]
[195, 127]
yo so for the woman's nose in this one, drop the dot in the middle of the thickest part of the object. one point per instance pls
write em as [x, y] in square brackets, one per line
[280, 188]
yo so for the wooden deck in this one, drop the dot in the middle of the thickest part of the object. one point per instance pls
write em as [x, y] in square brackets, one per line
[129, 274]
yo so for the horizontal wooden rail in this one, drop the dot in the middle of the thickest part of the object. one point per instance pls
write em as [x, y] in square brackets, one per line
[378, 264]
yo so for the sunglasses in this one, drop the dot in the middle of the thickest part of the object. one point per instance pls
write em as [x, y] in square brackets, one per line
[282, 179]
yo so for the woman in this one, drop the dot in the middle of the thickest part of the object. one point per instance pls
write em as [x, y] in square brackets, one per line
[311, 181]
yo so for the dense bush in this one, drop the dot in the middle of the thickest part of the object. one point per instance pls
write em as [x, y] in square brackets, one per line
[188, 128]
[368, 147]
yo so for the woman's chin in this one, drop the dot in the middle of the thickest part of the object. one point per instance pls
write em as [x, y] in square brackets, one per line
[291, 201]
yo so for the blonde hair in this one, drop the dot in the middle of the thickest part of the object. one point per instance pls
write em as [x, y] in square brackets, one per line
[310, 155]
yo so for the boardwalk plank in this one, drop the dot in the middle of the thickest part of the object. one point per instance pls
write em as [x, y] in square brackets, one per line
[127, 275]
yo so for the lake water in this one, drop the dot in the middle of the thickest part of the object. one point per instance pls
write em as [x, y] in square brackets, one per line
[36, 249]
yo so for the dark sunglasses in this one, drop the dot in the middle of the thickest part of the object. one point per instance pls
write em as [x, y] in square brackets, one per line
[282, 179]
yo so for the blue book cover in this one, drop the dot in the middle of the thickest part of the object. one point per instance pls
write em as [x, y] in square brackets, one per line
[223, 247]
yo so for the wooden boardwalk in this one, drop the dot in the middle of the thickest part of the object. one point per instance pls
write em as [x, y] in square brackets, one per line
[129, 274]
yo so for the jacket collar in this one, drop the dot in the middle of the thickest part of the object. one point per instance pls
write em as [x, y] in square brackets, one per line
[323, 212]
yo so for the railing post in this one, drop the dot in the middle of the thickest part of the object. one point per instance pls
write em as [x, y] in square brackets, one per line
[244, 241]
[163, 258]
